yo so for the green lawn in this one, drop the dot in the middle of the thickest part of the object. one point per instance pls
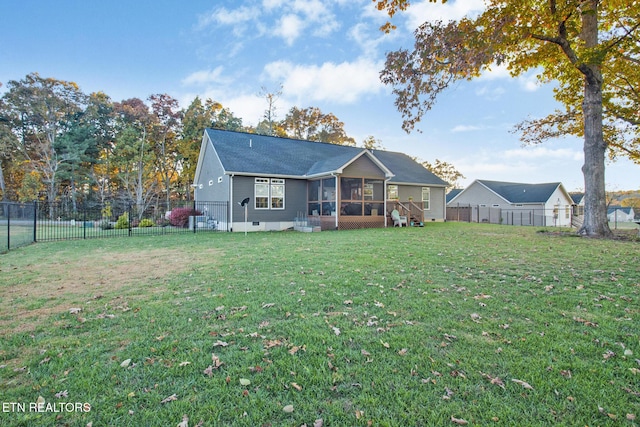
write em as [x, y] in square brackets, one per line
[443, 325]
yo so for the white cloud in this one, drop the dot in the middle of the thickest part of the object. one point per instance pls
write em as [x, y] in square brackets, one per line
[289, 27]
[272, 4]
[223, 16]
[540, 152]
[419, 13]
[205, 77]
[490, 93]
[343, 83]
[466, 128]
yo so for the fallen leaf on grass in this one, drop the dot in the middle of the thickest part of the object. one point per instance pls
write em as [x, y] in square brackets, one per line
[61, 394]
[268, 305]
[365, 352]
[169, 398]
[585, 322]
[220, 344]
[75, 310]
[384, 344]
[272, 343]
[522, 383]
[336, 330]
[184, 363]
[184, 422]
[403, 352]
[293, 350]
[296, 386]
[125, 363]
[447, 393]
[318, 423]
[288, 409]
[459, 421]
[245, 382]
[494, 380]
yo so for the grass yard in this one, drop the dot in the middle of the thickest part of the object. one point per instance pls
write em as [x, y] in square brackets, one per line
[449, 324]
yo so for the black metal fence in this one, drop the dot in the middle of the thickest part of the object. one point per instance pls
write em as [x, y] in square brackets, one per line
[24, 223]
[17, 225]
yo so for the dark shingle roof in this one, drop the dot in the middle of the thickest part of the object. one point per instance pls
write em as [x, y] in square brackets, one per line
[522, 193]
[576, 197]
[406, 170]
[267, 155]
[453, 193]
[626, 209]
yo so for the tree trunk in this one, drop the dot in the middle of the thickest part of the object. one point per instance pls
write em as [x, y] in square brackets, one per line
[595, 208]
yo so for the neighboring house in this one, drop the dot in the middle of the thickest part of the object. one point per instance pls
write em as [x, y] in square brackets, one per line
[620, 214]
[513, 203]
[578, 203]
[333, 186]
[453, 193]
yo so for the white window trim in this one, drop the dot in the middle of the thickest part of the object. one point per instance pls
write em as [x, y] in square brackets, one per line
[428, 200]
[270, 183]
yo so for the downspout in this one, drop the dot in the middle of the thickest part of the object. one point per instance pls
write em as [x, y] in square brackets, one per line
[444, 205]
[386, 184]
[336, 200]
[230, 221]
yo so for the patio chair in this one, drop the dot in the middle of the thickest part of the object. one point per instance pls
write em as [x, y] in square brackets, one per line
[398, 219]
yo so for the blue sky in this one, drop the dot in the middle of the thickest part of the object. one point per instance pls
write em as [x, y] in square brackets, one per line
[324, 53]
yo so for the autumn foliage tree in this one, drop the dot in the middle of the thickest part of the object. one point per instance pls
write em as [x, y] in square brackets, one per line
[589, 48]
[313, 125]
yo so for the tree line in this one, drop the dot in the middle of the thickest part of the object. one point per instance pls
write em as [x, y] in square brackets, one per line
[60, 144]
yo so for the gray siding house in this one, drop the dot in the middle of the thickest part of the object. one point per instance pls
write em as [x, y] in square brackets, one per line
[335, 186]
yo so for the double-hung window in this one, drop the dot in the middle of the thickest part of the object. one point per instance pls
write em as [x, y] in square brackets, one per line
[426, 198]
[269, 193]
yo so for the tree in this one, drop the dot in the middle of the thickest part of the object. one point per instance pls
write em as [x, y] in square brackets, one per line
[165, 129]
[133, 155]
[371, 143]
[100, 115]
[311, 124]
[266, 125]
[195, 119]
[40, 110]
[586, 46]
[445, 171]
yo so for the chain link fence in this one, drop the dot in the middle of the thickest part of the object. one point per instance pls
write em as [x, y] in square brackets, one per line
[529, 216]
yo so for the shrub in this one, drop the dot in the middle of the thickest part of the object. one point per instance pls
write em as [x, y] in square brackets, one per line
[180, 216]
[105, 224]
[123, 221]
[146, 222]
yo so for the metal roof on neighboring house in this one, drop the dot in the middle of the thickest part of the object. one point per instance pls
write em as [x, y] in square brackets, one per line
[246, 153]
